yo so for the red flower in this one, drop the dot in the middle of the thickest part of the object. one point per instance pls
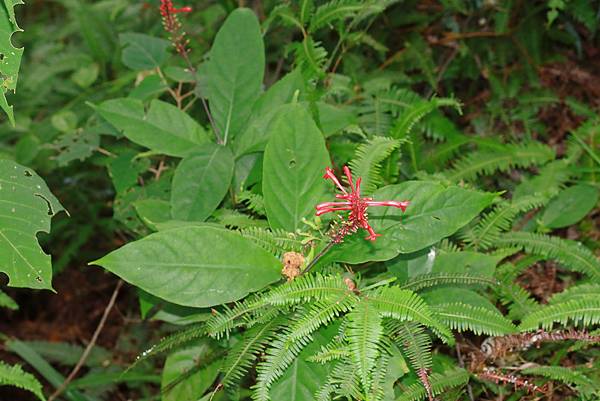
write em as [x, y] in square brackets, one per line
[173, 26]
[357, 218]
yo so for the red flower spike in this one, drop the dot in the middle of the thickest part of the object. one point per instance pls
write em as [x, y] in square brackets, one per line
[357, 218]
[173, 26]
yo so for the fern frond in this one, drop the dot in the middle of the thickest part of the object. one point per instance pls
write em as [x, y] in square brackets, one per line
[572, 255]
[414, 342]
[243, 354]
[501, 218]
[581, 291]
[439, 383]
[342, 381]
[7, 302]
[332, 11]
[585, 311]
[221, 323]
[233, 218]
[336, 349]
[462, 317]
[17, 377]
[310, 57]
[306, 288]
[279, 356]
[254, 202]
[435, 279]
[517, 299]
[171, 342]
[364, 334]
[488, 161]
[367, 161]
[566, 375]
[406, 305]
[320, 313]
[417, 111]
[276, 241]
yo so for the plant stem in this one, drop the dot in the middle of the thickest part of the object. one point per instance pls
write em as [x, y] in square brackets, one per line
[319, 256]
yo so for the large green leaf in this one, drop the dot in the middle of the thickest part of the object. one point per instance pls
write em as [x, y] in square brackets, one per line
[255, 136]
[186, 375]
[143, 52]
[194, 266]
[235, 71]
[11, 56]
[435, 212]
[201, 181]
[570, 206]
[26, 208]
[295, 159]
[164, 129]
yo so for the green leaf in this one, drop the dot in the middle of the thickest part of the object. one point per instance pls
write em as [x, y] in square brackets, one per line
[164, 129]
[185, 376]
[7, 302]
[295, 159]
[235, 71]
[435, 212]
[11, 60]
[15, 376]
[194, 266]
[143, 52]
[570, 206]
[26, 208]
[302, 378]
[153, 211]
[200, 182]
[255, 136]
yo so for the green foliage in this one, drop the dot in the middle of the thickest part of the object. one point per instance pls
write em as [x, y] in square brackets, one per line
[194, 143]
[15, 376]
[27, 208]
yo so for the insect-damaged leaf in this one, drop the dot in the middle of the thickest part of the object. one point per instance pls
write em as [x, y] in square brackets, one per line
[26, 208]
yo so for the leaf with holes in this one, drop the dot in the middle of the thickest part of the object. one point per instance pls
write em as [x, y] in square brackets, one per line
[295, 158]
[26, 207]
[11, 56]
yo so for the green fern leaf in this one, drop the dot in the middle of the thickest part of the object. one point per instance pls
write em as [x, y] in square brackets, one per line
[171, 342]
[585, 311]
[364, 334]
[367, 161]
[221, 323]
[429, 280]
[310, 57]
[17, 377]
[414, 342]
[243, 354]
[462, 317]
[276, 242]
[406, 305]
[333, 11]
[306, 288]
[488, 161]
[439, 382]
[517, 299]
[566, 375]
[417, 111]
[581, 291]
[255, 202]
[336, 349]
[572, 255]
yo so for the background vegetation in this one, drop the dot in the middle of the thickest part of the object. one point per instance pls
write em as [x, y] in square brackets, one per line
[172, 136]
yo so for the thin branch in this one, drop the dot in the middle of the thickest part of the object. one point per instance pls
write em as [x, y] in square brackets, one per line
[91, 344]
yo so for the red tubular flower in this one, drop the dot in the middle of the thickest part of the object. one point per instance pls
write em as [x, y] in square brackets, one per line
[173, 26]
[352, 201]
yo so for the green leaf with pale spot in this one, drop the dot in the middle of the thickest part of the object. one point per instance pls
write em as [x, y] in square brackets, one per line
[26, 208]
[11, 56]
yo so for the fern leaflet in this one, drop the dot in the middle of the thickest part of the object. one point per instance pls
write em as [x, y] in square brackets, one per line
[585, 311]
[16, 376]
[367, 161]
[479, 320]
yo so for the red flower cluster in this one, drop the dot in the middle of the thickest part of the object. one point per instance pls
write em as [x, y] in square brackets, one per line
[173, 26]
[357, 218]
